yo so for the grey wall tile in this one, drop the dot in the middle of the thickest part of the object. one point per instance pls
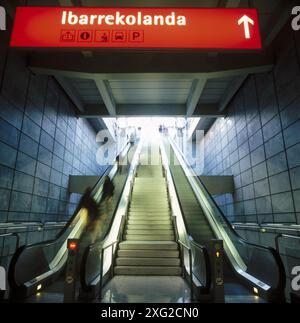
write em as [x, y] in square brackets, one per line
[7, 155]
[274, 146]
[283, 203]
[293, 155]
[26, 164]
[277, 164]
[6, 177]
[280, 183]
[23, 182]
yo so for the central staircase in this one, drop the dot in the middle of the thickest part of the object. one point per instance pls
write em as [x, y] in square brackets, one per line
[149, 246]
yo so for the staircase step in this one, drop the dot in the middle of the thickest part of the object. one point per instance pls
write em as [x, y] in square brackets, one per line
[149, 227]
[149, 232]
[148, 221]
[148, 270]
[146, 245]
[148, 253]
[148, 262]
[165, 237]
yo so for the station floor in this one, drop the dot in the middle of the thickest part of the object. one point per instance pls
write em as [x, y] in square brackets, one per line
[146, 289]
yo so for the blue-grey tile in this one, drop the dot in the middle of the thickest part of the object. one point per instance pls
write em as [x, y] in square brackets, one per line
[297, 201]
[284, 218]
[43, 171]
[264, 205]
[292, 134]
[48, 126]
[25, 164]
[11, 114]
[57, 163]
[9, 134]
[272, 128]
[60, 137]
[246, 177]
[248, 192]
[46, 140]
[31, 129]
[45, 156]
[258, 156]
[261, 188]
[55, 177]
[290, 114]
[293, 156]
[249, 207]
[34, 113]
[260, 172]
[41, 187]
[6, 177]
[268, 108]
[280, 183]
[277, 164]
[28, 146]
[245, 163]
[274, 146]
[20, 202]
[59, 149]
[4, 199]
[54, 191]
[283, 203]
[256, 140]
[52, 206]
[23, 182]
[7, 155]
[295, 178]
[39, 204]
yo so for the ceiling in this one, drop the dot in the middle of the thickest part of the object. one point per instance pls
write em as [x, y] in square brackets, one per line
[133, 83]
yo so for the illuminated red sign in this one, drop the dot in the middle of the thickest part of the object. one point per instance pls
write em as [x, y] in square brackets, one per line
[136, 28]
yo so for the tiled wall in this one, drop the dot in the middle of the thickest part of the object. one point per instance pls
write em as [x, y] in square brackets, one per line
[259, 141]
[41, 144]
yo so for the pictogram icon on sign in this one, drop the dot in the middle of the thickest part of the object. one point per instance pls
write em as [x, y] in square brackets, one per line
[136, 36]
[68, 35]
[119, 36]
[102, 36]
[85, 36]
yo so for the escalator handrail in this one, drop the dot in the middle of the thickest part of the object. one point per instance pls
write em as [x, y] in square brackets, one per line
[100, 243]
[47, 243]
[242, 240]
[276, 256]
[188, 235]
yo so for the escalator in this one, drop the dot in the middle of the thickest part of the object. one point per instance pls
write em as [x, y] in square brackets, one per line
[145, 239]
[251, 269]
[39, 268]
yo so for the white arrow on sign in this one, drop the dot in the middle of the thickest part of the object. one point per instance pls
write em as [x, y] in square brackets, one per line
[246, 21]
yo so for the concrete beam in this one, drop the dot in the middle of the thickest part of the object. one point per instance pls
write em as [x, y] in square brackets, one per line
[208, 110]
[195, 94]
[70, 92]
[94, 111]
[107, 97]
[232, 91]
[121, 65]
[100, 111]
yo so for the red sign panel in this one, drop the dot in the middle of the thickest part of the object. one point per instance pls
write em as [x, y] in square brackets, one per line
[136, 28]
